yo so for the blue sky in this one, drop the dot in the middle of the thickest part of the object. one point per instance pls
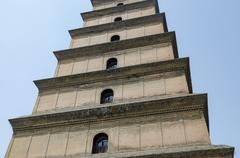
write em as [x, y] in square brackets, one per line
[207, 32]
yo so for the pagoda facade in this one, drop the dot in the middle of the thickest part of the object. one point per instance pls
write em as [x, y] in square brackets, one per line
[121, 91]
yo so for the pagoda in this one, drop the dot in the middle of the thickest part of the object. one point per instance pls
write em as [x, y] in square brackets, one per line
[119, 91]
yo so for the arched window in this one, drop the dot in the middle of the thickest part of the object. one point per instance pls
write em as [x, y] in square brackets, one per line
[115, 38]
[118, 19]
[106, 96]
[112, 64]
[100, 143]
[120, 4]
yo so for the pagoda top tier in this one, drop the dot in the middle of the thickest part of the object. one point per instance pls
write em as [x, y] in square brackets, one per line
[100, 2]
[97, 2]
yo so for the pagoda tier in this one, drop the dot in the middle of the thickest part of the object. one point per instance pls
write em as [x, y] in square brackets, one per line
[120, 91]
[149, 7]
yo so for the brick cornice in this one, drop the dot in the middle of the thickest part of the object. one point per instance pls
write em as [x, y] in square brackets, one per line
[151, 19]
[96, 2]
[156, 106]
[190, 151]
[124, 73]
[99, 49]
[117, 9]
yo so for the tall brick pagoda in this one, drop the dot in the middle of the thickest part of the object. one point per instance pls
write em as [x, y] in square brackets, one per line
[119, 91]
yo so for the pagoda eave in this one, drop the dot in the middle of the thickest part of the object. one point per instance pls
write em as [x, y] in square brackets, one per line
[122, 24]
[101, 77]
[154, 106]
[117, 9]
[96, 2]
[189, 151]
[99, 49]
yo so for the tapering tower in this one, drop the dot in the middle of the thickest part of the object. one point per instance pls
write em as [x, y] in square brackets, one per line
[120, 90]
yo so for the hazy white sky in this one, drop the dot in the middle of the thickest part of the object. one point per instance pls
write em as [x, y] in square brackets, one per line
[207, 32]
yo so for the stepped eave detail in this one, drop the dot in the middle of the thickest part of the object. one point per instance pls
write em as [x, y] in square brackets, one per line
[117, 9]
[157, 105]
[104, 76]
[162, 38]
[192, 151]
[95, 2]
[122, 24]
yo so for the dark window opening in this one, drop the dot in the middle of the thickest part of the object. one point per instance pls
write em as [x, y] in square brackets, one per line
[100, 143]
[118, 19]
[112, 64]
[120, 4]
[115, 38]
[106, 96]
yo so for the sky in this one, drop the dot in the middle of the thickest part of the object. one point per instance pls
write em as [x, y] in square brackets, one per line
[207, 32]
